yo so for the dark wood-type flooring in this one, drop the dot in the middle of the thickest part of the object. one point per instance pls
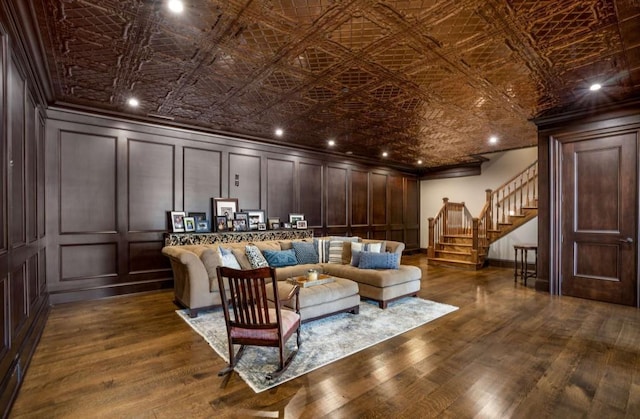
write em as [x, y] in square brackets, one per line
[509, 351]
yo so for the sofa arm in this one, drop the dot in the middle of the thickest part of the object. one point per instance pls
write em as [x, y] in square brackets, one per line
[191, 282]
[395, 247]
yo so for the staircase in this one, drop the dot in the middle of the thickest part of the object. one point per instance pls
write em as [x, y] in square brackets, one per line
[459, 240]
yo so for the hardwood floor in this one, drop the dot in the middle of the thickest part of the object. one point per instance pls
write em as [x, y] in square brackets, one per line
[509, 351]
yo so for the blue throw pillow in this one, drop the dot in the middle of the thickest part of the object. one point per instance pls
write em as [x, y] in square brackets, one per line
[373, 260]
[280, 258]
[305, 252]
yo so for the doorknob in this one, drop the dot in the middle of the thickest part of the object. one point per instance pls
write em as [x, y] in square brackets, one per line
[627, 240]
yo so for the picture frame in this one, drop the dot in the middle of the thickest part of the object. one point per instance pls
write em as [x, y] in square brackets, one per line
[294, 217]
[189, 224]
[262, 226]
[221, 223]
[273, 223]
[301, 224]
[240, 224]
[198, 216]
[225, 206]
[256, 216]
[177, 221]
[202, 226]
[287, 225]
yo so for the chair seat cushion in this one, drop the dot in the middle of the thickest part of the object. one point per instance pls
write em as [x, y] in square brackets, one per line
[290, 321]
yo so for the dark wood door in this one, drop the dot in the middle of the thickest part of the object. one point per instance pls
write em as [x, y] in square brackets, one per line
[599, 195]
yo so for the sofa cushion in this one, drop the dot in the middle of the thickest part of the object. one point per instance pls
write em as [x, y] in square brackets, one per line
[379, 278]
[267, 245]
[255, 257]
[375, 260]
[335, 251]
[242, 258]
[322, 247]
[305, 252]
[357, 248]
[280, 258]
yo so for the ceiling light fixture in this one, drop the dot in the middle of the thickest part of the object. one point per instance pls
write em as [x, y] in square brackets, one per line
[279, 132]
[595, 87]
[419, 161]
[493, 139]
[385, 154]
[176, 6]
[331, 143]
[133, 102]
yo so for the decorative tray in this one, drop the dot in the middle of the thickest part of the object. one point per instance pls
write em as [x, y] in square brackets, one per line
[304, 282]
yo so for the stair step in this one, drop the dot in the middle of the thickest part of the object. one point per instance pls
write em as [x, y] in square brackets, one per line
[455, 263]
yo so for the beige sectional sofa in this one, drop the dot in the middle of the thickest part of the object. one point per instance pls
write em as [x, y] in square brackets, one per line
[196, 284]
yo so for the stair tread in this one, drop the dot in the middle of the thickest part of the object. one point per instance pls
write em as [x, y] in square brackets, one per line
[453, 252]
[462, 262]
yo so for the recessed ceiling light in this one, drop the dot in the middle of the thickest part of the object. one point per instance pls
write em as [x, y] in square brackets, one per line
[176, 6]
[279, 132]
[493, 139]
[133, 102]
[331, 143]
[385, 154]
[419, 161]
[595, 87]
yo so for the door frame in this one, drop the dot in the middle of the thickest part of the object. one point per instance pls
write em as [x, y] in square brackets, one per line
[597, 129]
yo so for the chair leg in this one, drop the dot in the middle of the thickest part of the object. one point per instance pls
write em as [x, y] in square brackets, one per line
[283, 367]
[233, 360]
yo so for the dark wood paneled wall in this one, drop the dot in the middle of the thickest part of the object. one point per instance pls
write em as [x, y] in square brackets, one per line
[23, 281]
[111, 183]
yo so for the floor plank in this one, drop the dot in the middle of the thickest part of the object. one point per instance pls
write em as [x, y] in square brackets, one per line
[509, 351]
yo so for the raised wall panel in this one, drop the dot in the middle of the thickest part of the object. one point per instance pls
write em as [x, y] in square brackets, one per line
[17, 292]
[42, 270]
[412, 200]
[31, 170]
[40, 134]
[280, 191]
[201, 179]
[87, 183]
[359, 197]
[310, 192]
[378, 199]
[6, 318]
[151, 183]
[32, 275]
[396, 204]
[336, 197]
[88, 261]
[15, 99]
[244, 180]
[147, 257]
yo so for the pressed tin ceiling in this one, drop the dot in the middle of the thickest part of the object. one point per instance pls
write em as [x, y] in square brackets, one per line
[427, 80]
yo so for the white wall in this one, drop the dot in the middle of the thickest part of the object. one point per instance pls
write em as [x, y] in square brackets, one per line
[471, 190]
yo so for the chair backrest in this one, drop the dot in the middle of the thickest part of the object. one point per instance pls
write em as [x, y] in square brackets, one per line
[247, 298]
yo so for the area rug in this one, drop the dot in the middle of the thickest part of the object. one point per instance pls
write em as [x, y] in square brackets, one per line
[323, 341]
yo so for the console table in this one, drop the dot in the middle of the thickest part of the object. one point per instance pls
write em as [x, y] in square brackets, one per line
[181, 239]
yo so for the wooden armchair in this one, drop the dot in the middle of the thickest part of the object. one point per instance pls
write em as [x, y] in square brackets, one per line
[250, 320]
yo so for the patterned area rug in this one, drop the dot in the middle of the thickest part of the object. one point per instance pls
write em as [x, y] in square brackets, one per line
[323, 341]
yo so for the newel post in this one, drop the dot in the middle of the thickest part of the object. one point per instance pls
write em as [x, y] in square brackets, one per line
[431, 251]
[444, 222]
[489, 214]
[474, 240]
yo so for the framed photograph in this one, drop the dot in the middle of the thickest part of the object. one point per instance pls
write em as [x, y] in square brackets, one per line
[240, 224]
[225, 206]
[301, 224]
[202, 226]
[273, 220]
[262, 226]
[256, 217]
[221, 223]
[189, 224]
[198, 216]
[287, 225]
[177, 221]
[293, 218]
